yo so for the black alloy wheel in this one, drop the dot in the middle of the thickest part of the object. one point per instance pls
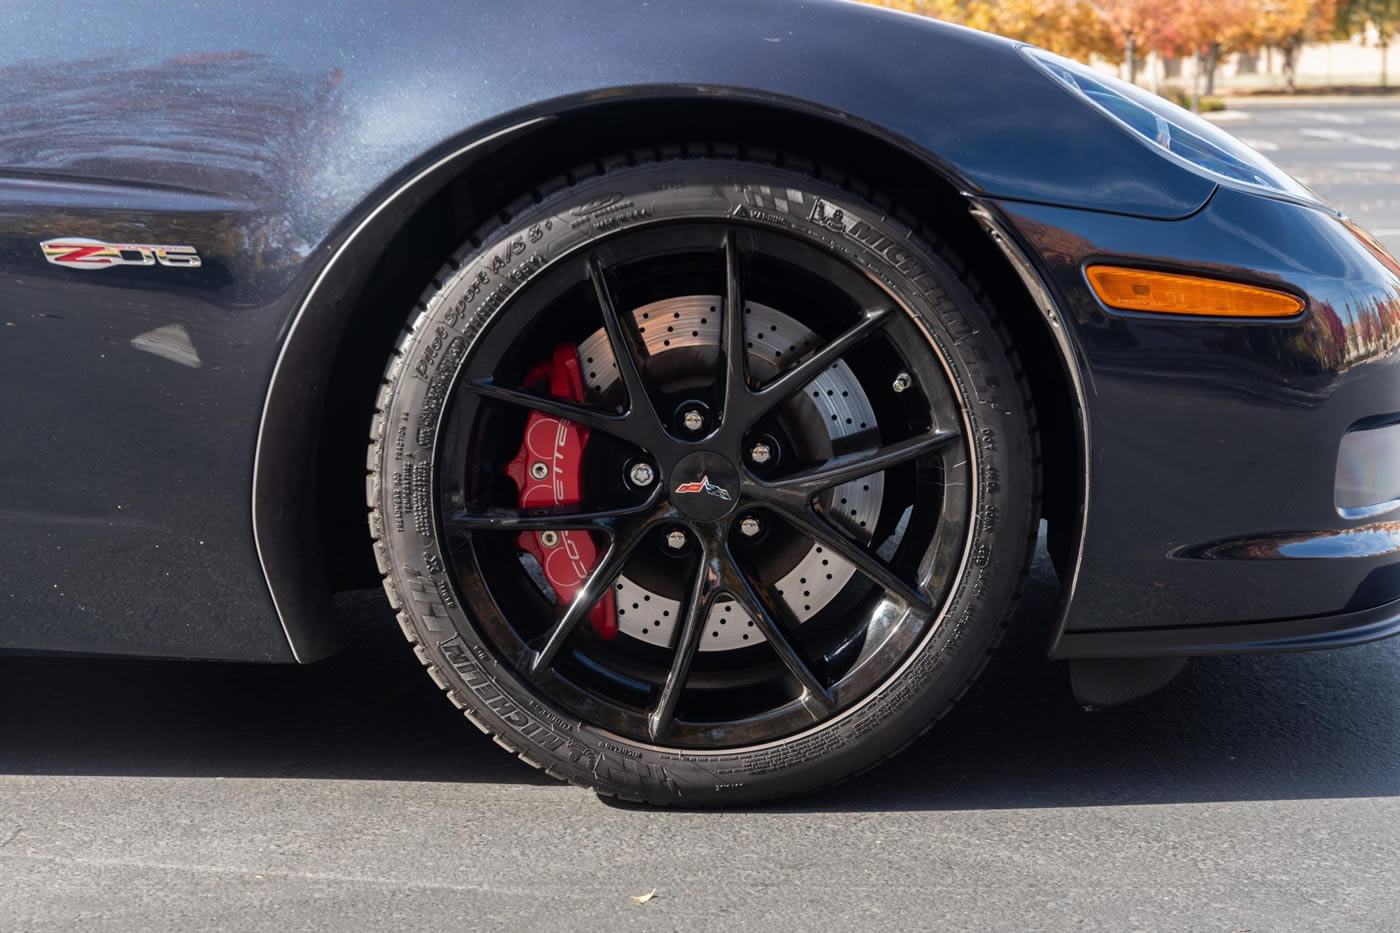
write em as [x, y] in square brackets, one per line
[702, 481]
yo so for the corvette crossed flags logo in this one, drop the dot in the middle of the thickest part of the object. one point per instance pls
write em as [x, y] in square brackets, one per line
[719, 492]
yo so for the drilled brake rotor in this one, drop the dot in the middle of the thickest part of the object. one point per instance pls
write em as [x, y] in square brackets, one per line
[832, 407]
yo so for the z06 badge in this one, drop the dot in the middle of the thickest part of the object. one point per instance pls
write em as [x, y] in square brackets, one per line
[83, 253]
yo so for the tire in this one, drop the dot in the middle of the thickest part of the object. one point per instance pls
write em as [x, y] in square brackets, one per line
[439, 441]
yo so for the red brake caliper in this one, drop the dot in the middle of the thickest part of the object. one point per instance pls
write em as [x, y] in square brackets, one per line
[547, 472]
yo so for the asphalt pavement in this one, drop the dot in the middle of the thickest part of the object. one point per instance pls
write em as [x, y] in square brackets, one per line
[1251, 794]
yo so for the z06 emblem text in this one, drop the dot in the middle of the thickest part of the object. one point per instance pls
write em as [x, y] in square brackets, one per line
[83, 253]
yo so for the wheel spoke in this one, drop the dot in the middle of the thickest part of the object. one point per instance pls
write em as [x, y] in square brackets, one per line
[624, 347]
[765, 612]
[585, 415]
[559, 518]
[703, 590]
[624, 542]
[735, 350]
[766, 398]
[820, 530]
[800, 487]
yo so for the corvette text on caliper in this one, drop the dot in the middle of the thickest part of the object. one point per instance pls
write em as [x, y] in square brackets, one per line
[548, 472]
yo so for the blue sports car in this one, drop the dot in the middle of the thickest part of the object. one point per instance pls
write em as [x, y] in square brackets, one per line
[695, 378]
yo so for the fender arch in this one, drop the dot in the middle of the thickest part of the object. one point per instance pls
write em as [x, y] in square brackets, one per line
[310, 533]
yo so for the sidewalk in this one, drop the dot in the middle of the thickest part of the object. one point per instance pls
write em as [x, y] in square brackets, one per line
[1233, 101]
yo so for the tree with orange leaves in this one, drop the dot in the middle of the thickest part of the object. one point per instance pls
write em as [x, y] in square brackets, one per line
[1119, 30]
[1127, 30]
[1067, 27]
[1138, 27]
[1383, 16]
[1289, 25]
[1207, 29]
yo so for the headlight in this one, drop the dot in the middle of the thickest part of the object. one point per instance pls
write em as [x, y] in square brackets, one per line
[1177, 133]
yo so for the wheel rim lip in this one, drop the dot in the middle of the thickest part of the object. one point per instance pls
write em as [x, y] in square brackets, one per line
[681, 446]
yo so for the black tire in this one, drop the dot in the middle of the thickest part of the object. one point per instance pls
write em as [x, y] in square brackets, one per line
[483, 285]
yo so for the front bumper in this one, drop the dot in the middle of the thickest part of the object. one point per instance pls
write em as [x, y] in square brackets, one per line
[1236, 499]
[1311, 634]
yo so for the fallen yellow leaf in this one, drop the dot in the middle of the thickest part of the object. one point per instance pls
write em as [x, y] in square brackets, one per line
[643, 898]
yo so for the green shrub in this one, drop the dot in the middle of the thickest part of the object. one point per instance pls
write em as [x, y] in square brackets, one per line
[1183, 99]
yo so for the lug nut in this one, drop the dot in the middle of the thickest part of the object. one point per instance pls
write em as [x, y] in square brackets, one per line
[549, 538]
[675, 540]
[693, 420]
[539, 469]
[760, 453]
[642, 474]
[749, 527]
[902, 382]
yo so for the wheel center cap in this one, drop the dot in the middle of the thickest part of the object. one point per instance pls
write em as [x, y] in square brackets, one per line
[704, 486]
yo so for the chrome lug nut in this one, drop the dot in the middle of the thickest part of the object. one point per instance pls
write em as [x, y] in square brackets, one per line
[675, 540]
[760, 453]
[539, 469]
[749, 527]
[642, 474]
[693, 420]
[549, 538]
[902, 382]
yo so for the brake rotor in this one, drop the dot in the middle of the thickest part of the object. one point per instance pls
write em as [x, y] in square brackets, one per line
[833, 406]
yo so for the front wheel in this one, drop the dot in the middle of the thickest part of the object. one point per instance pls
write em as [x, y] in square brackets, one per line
[702, 481]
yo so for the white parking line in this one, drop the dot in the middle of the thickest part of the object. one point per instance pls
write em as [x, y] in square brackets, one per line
[1263, 145]
[1367, 166]
[1357, 139]
[1326, 117]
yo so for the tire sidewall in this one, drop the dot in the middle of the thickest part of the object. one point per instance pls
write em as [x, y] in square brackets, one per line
[479, 286]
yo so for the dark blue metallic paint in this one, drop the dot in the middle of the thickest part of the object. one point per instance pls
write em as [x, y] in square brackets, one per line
[265, 134]
[306, 108]
[1211, 431]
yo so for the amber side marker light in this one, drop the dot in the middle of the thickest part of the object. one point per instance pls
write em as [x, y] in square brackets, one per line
[1170, 293]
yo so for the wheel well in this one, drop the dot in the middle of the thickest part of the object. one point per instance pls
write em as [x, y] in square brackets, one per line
[413, 255]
